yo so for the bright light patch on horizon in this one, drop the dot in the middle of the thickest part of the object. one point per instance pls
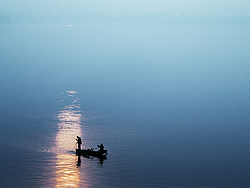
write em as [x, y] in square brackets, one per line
[72, 92]
[65, 25]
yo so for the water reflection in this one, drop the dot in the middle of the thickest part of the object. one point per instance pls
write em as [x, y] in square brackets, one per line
[68, 165]
[99, 161]
[67, 175]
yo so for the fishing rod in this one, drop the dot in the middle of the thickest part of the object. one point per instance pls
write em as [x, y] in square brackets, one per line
[74, 147]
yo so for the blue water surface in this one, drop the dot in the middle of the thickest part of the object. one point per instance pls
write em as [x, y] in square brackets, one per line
[170, 103]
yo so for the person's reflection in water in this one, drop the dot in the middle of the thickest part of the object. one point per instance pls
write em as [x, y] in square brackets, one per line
[101, 159]
[78, 164]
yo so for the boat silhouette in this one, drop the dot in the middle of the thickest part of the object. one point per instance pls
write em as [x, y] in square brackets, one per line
[91, 152]
[101, 153]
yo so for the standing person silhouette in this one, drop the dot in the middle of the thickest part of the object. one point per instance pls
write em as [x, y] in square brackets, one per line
[79, 142]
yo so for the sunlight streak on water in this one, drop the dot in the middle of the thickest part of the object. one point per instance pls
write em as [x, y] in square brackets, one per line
[69, 126]
[67, 175]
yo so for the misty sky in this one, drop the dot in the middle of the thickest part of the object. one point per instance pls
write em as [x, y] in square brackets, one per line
[217, 8]
[170, 60]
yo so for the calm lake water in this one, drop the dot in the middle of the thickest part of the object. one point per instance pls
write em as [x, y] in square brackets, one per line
[170, 103]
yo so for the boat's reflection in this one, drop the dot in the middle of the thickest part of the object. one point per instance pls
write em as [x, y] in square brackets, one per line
[100, 160]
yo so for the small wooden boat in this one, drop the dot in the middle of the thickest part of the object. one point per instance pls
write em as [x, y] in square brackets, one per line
[91, 152]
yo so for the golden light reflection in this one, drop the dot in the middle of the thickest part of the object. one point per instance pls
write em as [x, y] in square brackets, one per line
[69, 126]
[67, 175]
